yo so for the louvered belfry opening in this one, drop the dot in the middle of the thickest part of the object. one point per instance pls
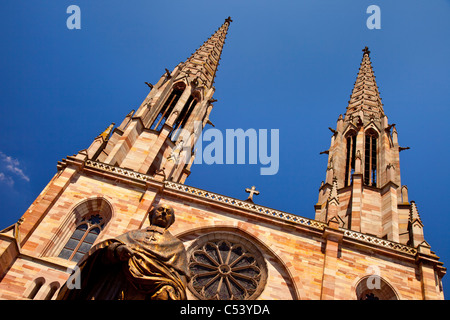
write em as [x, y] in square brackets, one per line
[370, 159]
[350, 158]
[167, 109]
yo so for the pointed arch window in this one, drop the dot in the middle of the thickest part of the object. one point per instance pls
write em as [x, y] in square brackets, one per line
[350, 158]
[83, 237]
[182, 119]
[370, 158]
[167, 108]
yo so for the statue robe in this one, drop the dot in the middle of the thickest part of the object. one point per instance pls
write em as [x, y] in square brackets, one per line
[157, 270]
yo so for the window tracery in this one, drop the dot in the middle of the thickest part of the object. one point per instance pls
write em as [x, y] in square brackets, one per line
[225, 268]
[83, 237]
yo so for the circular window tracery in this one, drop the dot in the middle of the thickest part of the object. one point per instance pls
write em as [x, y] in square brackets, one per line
[226, 267]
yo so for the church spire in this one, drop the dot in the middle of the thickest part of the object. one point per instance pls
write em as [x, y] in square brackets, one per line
[201, 66]
[161, 134]
[365, 161]
[365, 95]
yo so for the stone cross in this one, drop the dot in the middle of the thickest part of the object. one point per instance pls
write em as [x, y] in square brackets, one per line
[252, 191]
[366, 50]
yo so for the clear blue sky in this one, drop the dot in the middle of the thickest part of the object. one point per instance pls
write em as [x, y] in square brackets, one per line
[287, 65]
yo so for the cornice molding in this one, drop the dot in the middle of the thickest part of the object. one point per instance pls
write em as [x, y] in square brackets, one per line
[378, 244]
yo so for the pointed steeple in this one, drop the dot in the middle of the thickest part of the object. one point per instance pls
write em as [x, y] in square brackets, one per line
[177, 106]
[364, 156]
[416, 228]
[333, 206]
[333, 197]
[414, 213]
[105, 134]
[201, 66]
[365, 95]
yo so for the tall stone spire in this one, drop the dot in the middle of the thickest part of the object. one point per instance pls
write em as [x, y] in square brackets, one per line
[365, 95]
[201, 66]
[364, 153]
[158, 139]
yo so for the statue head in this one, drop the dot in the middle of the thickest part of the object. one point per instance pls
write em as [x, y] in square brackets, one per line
[162, 216]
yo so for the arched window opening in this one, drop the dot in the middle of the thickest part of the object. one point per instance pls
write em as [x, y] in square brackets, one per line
[83, 237]
[167, 108]
[370, 296]
[350, 158]
[374, 288]
[182, 119]
[38, 283]
[54, 286]
[370, 159]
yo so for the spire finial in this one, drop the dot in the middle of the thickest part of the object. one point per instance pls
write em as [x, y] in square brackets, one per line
[413, 212]
[105, 134]
[334, 191]
[228, 19]
[366, 51]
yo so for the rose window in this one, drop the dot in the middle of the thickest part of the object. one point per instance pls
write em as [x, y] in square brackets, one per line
[226, 270]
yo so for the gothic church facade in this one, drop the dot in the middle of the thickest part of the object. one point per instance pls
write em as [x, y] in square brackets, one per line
[366, 241]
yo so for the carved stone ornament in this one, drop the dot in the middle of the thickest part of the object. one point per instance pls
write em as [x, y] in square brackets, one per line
[225, 266]
[144, 264]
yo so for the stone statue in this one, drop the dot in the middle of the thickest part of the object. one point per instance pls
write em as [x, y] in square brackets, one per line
[145, 264]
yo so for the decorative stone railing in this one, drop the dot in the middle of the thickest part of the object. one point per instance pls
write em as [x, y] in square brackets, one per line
[379, 242]
[245, 205]
[119, 171]
[288, 217]
[318, 225]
